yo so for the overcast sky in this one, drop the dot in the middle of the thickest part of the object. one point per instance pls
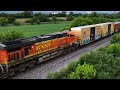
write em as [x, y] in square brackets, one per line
[47, 12]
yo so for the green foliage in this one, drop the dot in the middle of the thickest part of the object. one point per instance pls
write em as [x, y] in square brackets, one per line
[100, 60]
[10, 36]
[74, 71]
[28, 21]
[72, 66]
[52, 75]
[3, 21]
[37, 18]
[114, 49]
[80, 21]
[62, 74]
[115, 38]
[65, 28]
[38, 21]
[16, 23]
[54, 18]
[83, 72]
[11, 19]
[69, 18]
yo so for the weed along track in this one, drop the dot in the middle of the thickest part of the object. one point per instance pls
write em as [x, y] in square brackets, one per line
[40, 71]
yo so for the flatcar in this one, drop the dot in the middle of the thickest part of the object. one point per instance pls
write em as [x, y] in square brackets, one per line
[17, 55]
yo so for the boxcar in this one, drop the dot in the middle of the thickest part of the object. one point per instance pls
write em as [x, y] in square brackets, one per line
[107, 28]
[116, 27]
[87, 34]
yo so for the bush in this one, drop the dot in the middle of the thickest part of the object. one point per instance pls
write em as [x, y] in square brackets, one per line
[115, 38]
[16, 23]
[114, 49]
[65, 28]
[52, 75]
[28, 21]
[38, 21]
[3, 21]
[11, 20]
[69, 18]
[83, 72]
[80, 21]
[54, 18]
[72, 66]
[101, 61]
[62, 74]
[39, 18]
[10, 36]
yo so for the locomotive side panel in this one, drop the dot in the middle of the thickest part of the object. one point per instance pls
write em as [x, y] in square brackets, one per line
[72, 38]
[3, 57]
[42, 46]
[63, 42]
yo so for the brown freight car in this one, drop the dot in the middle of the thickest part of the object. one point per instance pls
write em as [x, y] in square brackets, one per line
[116, 27]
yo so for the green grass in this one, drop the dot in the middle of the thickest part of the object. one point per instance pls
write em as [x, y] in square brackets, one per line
[33, 30]
[116, 20]
[22, 20]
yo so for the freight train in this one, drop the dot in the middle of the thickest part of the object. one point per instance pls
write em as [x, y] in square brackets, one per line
[17, 55]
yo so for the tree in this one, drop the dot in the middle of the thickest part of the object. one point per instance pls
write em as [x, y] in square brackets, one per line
[16, 23]
[10, 35]
[83, 72]
[80, 21]
[54, 18]
[69, 18]
[37, 18]
[71, 13]
[3, 21]
[11, 19]
[27, 14]
[115, 38]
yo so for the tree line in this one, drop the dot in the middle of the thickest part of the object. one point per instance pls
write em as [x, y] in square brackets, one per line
[37, 18]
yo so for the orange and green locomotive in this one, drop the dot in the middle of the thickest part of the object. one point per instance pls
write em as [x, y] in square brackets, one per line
[26, 52]
[21, 53]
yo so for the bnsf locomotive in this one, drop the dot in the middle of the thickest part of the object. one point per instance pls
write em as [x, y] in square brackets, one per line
[18, 54]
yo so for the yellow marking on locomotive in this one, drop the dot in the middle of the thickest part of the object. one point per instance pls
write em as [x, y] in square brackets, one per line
[43, 46]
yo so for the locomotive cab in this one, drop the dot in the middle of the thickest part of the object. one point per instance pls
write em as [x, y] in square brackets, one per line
[71, 38]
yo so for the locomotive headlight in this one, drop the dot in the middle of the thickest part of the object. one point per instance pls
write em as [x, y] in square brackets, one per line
[32, 47]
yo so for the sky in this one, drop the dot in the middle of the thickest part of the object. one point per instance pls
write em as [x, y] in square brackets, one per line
[47, 12]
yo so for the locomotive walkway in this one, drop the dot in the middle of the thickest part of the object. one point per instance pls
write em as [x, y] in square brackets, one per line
[40, 71]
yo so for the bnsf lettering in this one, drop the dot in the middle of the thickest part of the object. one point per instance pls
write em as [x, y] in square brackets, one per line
[43, 46]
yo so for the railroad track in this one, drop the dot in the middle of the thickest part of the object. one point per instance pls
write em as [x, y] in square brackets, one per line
[40, 71]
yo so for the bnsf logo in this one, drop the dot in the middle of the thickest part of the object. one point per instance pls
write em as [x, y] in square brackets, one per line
[43, 46]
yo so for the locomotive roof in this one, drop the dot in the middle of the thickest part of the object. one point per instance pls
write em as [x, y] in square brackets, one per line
[21, 42]
[27, 41]
[88, 26]
[17, 43]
